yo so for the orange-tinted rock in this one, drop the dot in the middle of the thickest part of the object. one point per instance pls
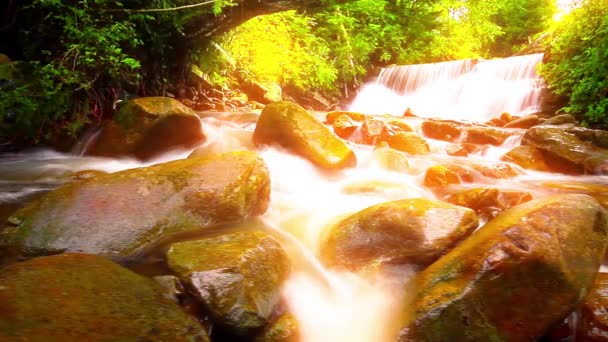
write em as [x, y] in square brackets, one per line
[288, 125]
[506, 117]
[524, 122]
[515, 277]
[408, 142]
[373, 131]
[593, 323]
[344, 126]
[332, 116]
[488, 202]
[495, 170]
[528, 157]
[411, 231]
[441, 130]
[396, 126]
[461, 150]
[486, 135]
[443, 175]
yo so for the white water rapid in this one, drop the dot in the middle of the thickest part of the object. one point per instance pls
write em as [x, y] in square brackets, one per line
[334, 306]
[474, 90]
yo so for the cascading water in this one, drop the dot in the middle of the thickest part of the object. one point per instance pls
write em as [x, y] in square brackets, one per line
[475, 90]
[333, 306]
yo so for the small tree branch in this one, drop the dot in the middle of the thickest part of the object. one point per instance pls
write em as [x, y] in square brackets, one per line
[154, 10]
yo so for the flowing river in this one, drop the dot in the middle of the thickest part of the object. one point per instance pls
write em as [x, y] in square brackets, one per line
[331, 306]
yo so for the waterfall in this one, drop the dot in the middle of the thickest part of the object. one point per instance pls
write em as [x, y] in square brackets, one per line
[475, 90]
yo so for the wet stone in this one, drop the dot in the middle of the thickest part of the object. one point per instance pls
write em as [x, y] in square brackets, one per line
[238, 277]
[79, 297]
[412, 231]
[514, 278]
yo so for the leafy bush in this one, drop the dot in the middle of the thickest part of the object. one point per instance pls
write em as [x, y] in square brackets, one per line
[576, 64]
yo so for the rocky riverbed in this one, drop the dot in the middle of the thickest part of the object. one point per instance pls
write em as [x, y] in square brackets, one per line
[501, 226]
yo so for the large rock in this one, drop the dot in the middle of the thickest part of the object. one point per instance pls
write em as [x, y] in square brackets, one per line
[146, 127]
[237, 276]
[593, 323]
[292, 127]
[80, 297]
[116, 215]
[515, 277]
[411, 231]
[560, 143]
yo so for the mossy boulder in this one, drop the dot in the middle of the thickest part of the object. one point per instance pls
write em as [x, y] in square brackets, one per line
[237, 276]
[288, 125]
[116, 215]
[593, 322]
[283, 329]
[80, 297]
[146, 127]
[560, 143]
[412, 231]
[514, 278]
[488, 202]
[528, 157]
[409, 142]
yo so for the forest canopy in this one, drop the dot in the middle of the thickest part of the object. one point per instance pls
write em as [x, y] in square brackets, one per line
[75, 58]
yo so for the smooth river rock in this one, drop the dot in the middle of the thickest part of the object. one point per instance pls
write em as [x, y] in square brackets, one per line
[557, 141]
[116, 215]
[412, 231]
[147, 127]
[593, 323]
[80, 297]
[514, 278]
[288, 125]
[237, 276]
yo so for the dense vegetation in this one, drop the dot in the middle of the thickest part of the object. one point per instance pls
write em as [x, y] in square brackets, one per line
[77, 58]
[576, 65]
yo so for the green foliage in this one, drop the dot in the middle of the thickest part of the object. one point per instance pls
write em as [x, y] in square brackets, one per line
[576, 62]
[520, 21]
[280, 48]
[80, 55]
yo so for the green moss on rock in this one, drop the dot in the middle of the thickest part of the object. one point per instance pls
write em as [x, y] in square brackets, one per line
[514, 278]
[146, 127]
[238, 276]
[288, 125]
[117, 215]
[79, 297]
[411, 231]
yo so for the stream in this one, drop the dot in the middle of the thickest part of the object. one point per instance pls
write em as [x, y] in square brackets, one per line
[330, 305]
